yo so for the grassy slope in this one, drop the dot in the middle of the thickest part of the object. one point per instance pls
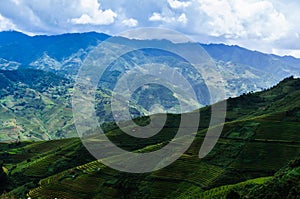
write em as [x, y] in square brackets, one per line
[260, 136]
[284, 184]
[34, 105]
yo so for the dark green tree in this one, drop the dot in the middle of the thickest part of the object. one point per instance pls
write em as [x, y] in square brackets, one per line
[3, 180]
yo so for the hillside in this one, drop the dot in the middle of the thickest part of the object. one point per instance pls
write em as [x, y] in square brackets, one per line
[260, 136]
[284, 184]
[35, 105]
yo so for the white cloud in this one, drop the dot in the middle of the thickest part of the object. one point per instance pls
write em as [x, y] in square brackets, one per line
[257, 24]
[182, 18]
[94, 15]
[58, 16]
[295, 53]
[175, 4]
[158, 17]
[6, 24]
[130, 22]
[17, 2]
[244, 19]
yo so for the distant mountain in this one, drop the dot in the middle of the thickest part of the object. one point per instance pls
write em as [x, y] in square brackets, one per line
[25, 49]
[49, 53]
[260, 136]
[268, 62]
[252, 69]
[35, 105]
[243, 70]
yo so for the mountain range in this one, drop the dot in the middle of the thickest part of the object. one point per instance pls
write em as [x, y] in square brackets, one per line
[243, 70]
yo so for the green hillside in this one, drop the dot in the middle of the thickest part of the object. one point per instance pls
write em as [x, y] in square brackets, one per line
[260, 136]
[34, 105]
[284, 184]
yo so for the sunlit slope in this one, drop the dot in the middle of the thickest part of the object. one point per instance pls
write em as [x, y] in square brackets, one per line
[244, 152]
[34, 105]
[260, 136]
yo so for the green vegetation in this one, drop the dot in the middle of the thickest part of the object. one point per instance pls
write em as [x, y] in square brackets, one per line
[40, 158]
[34, 105]
[284, 184]
[260, 136]
[3, 178]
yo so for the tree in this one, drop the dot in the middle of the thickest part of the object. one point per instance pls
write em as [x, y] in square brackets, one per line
[233, 195]
[3, 179]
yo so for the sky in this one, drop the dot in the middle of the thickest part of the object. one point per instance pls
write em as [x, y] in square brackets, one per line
[270, 26]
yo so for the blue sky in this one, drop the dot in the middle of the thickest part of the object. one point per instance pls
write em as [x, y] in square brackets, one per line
[270, 26]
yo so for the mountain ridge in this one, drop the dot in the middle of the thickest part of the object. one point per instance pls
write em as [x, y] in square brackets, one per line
[242, 69]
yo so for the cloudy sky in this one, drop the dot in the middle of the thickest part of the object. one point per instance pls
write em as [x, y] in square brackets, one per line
[270, 26]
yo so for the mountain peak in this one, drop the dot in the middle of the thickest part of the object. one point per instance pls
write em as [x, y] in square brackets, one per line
[12, 36]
